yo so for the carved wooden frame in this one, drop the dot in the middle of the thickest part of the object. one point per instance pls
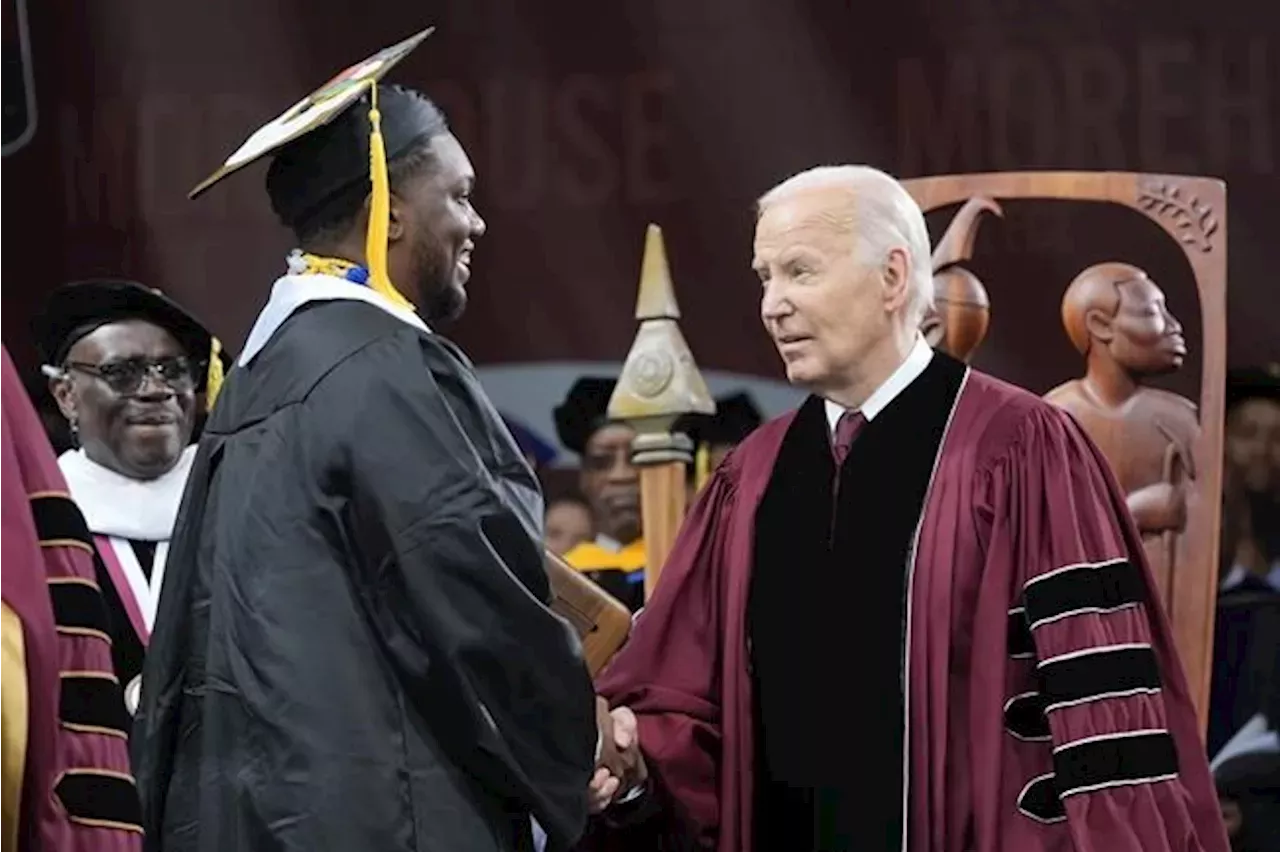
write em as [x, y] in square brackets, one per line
[1192, 211]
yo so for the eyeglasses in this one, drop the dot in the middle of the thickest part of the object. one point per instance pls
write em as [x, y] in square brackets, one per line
[127, 376]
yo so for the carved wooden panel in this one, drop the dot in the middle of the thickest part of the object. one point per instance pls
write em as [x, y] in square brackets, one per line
[1192, 212]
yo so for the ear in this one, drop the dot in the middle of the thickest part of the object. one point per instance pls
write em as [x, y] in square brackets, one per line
[896, 279]
[1098, 324]
[63, 391]
[397, 222]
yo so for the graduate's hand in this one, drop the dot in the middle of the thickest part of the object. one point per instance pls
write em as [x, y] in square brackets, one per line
[601, 790]
[620, 767]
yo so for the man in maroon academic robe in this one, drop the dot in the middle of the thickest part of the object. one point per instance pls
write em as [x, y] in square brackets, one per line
[66, 764]
[913, 614]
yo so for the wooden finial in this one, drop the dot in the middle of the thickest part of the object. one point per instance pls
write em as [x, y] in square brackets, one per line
[657, 296]
[659, 380]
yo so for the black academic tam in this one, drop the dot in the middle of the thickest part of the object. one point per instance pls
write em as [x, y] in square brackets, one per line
[78, 309]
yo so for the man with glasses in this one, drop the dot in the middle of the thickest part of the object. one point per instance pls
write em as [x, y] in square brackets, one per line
[127, 367]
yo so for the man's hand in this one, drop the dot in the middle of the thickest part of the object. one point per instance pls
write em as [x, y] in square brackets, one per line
[626, 738]
[621, 767]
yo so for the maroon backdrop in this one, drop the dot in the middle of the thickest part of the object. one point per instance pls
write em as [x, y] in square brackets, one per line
[587, 120]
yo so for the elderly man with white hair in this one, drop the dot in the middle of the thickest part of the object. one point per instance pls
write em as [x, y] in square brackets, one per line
[913, 614]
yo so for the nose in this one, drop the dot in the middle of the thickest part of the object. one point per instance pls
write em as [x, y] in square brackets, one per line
[478, 227]
[1172, 326]
[622, 471]
[153, 387]
[773, 306]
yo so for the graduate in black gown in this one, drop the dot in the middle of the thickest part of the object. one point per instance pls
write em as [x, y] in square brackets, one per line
[355, 650]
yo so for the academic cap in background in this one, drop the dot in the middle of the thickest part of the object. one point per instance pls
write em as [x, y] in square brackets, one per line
[78, 309]
[736, 417]
[1253, 383]
[323, 146]
[584, 411]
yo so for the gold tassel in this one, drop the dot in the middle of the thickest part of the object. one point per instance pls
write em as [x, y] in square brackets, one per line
[214, 377]
[701, 466]
[379, 209]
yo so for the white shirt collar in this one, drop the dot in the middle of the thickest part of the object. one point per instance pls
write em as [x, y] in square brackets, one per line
[908, 371]
[291, 292]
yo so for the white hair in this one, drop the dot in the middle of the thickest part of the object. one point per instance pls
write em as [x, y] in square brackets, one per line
[882, 216]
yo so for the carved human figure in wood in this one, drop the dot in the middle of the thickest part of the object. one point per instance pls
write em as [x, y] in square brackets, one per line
[1117, 318]
[957, 320]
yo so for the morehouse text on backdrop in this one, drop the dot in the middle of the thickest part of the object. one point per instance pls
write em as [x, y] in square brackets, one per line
[588, 121]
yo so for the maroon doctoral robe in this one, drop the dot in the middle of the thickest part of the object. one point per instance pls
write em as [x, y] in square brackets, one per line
[1045, 708]
[77, 792]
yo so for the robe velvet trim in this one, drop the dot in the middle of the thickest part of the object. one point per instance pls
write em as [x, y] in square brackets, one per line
[124, 588]
[817, 548]
[75, 712]
[1018, 493]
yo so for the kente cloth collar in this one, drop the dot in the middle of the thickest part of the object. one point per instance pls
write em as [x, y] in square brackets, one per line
[115, 505]
[302, 286]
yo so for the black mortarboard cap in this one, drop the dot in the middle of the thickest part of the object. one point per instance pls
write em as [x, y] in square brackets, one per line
[1253, 383]
[331, 162]
[78, 309]
[323, 147]
[584, 411]
[736, 417]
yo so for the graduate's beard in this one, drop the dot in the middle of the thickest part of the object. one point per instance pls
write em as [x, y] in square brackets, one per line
[443, 299]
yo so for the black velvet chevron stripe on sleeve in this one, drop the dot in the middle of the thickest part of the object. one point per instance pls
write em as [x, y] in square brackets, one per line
[78, 606]
[1079, 589]
[91, 701]
[1115, 760]
[1108, 672]
[100, 798]
[59, 522]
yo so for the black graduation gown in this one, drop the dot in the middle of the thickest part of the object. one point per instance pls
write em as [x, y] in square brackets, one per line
[354, 649]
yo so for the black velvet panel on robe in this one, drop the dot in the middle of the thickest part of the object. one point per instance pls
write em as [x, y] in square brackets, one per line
[827, 617]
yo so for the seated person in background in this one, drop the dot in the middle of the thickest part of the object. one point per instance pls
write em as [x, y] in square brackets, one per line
[1251, 481]
[1249, 791]
[615, 558]
[569, 523]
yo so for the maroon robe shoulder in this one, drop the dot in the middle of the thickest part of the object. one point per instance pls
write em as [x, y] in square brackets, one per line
[77, 791]
[1046, 708]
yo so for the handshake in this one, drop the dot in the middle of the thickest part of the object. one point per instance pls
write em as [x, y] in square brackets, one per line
[620, 769]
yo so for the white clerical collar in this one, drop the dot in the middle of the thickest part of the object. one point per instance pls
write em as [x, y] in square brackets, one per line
[908, 371]
[291, 292]
[115, 505]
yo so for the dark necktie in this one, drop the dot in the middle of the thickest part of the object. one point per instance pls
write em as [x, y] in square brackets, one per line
[847, 428]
